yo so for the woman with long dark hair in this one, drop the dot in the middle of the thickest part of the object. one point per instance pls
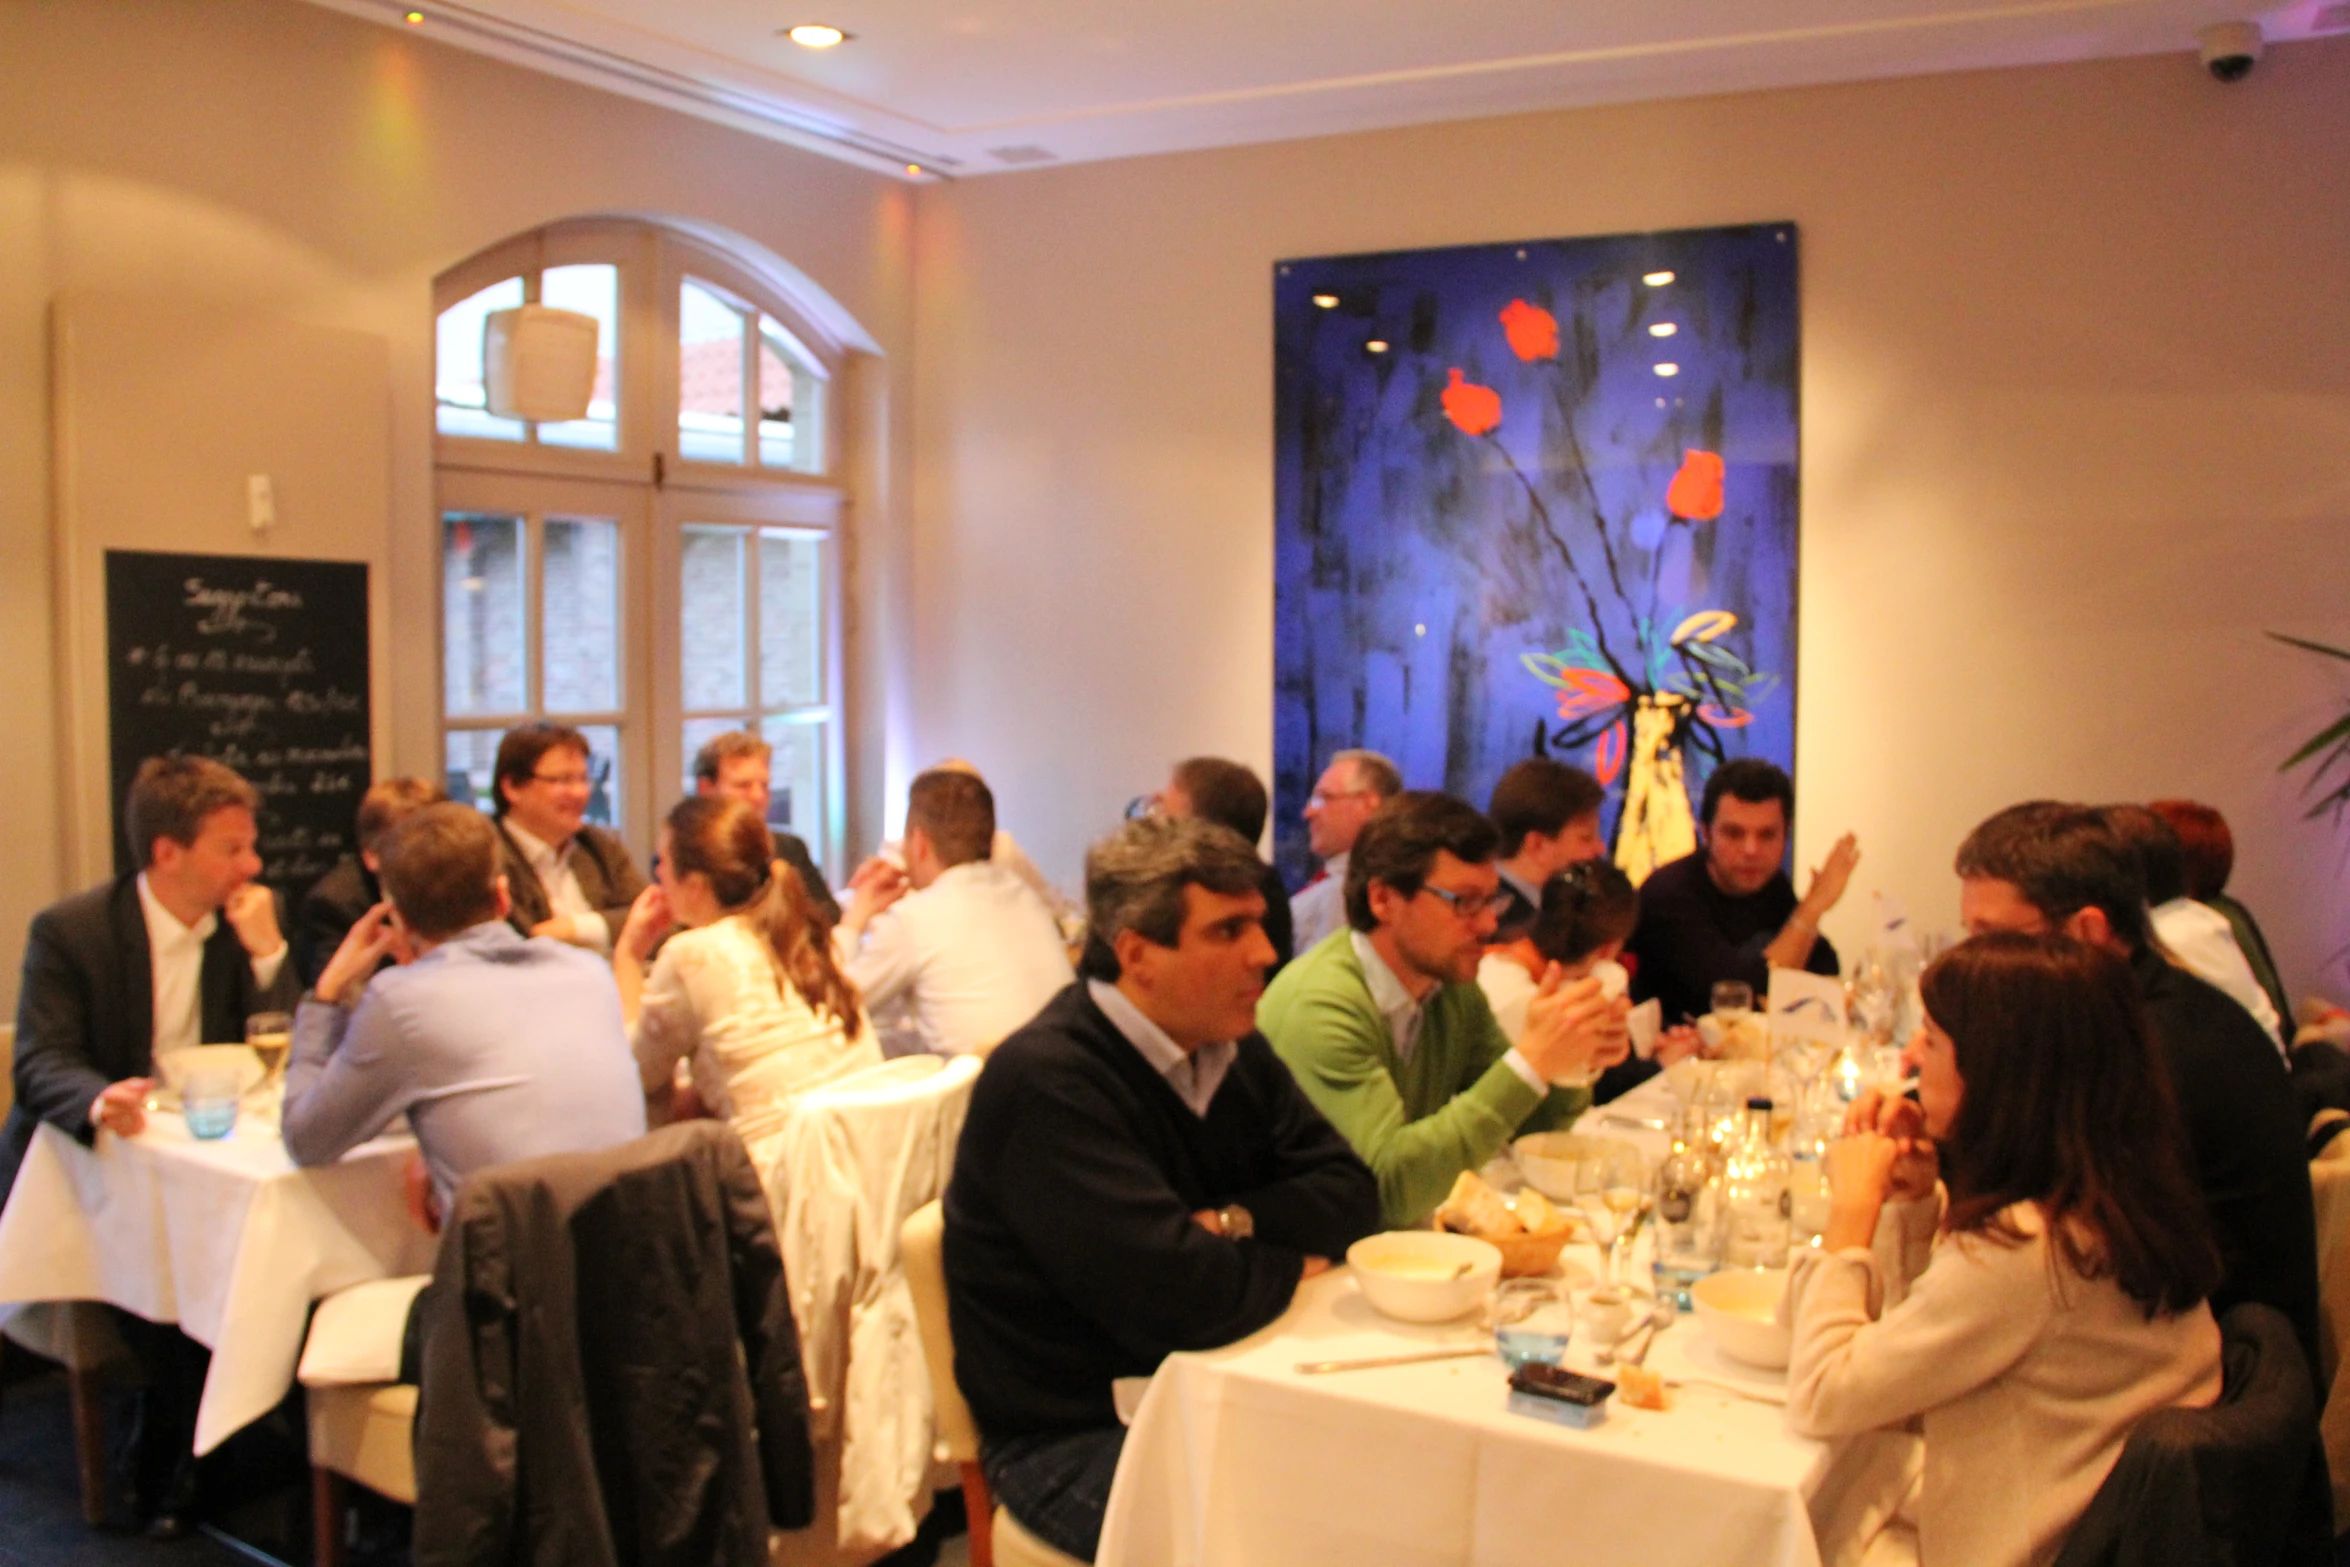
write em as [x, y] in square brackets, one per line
[2049, 1291]
[747, 991]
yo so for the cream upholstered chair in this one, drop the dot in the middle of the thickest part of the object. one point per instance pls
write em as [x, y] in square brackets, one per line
[1002, 1542]
[362, 1419]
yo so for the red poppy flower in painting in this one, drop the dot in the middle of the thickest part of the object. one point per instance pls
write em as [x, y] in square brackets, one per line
[1695, 495]
[1584, 691]
[1533, 331]
[1607, 757]
[1476, 409]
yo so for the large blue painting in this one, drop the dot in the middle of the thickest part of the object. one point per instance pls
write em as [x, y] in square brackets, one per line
[1538, 499]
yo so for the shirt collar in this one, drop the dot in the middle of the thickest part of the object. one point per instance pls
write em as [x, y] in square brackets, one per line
[164, 928]
[540, 855]
[1194, 1075]
[1525, 889]
[1387, 992]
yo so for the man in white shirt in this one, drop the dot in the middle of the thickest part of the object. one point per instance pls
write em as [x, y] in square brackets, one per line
[568, 880]
[2195, 935]
[178, 953]
[956, 951]
[1351, 788]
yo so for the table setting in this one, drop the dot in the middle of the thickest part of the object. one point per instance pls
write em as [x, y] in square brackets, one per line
[202, 1219]
[1589, 1343]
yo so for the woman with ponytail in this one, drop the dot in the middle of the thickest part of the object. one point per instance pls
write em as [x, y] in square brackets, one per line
[746, 989]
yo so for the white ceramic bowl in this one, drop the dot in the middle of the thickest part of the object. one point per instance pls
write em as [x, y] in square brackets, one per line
[1741, 1310]
[1548, 1159]
[1415, 1275]
[173, 1066]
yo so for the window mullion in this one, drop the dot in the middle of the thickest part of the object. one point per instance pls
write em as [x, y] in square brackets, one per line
[754, 647]
[534, 612]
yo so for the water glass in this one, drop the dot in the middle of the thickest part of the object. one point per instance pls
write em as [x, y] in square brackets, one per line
[1733, 995]
[1532, 1321]
[208, 1099]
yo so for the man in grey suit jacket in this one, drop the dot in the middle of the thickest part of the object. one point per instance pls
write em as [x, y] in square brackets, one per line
[179, 953]
[568, 880]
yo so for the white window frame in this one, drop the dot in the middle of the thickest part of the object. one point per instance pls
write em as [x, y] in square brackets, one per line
[655, 493]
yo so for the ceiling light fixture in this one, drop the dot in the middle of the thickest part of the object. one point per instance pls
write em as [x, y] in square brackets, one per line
[816, 35]
[1377, 345]
[1326, 301]
[1663, 329]
[914, 168]
[414, 18]
[1668, 369]
[1657, 279]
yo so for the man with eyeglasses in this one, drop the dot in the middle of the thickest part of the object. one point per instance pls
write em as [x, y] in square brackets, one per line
[1386, 1031]
[1355, 784]
[568, 880]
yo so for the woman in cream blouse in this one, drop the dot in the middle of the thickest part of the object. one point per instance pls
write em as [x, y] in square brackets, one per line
[2048, 1291]
[747, 990]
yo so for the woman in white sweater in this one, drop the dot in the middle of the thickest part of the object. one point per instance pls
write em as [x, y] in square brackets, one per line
[2047, 1293]
[747, 991]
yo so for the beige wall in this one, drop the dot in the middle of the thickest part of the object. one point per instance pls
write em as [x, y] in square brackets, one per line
[273, 157]
[2076, 404]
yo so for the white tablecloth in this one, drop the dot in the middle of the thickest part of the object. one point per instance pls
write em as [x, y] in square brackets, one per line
[1236, 1460]
[226, 1238]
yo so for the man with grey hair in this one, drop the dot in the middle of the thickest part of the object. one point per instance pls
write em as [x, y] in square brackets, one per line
[1351, 788]
[1138, 1174]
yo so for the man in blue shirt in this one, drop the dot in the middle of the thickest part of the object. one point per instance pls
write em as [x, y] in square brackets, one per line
[497, 1047]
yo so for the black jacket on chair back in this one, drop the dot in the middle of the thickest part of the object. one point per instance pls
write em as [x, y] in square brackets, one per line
[611, 1372]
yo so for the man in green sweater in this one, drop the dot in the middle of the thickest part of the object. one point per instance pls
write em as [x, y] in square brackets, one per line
[1386, 1031]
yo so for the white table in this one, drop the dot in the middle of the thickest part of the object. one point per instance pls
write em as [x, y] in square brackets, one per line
[225, 1238]
[1236, 1460]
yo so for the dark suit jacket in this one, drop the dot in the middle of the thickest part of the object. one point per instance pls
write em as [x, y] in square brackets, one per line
[1279, 929]
[85, 1009]
[611, 1371]
[794, 853]
[607, 875]
[335, 902]
[2247, 1142]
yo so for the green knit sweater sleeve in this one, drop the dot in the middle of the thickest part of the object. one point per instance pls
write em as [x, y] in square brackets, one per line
[1454, 1106]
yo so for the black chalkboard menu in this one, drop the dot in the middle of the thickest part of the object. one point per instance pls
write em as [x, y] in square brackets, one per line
[260, 664]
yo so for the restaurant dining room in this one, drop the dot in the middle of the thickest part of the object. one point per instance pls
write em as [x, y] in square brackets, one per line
[831, 782]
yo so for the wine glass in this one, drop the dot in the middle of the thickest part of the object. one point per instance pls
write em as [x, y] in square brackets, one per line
[1612, 1190]
[270, 1036]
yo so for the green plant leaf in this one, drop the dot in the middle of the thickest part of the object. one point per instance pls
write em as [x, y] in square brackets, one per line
[2335, 733]
[2313, 647]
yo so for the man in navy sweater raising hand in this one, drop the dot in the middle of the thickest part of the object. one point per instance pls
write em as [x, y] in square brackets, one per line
[1139, 1174]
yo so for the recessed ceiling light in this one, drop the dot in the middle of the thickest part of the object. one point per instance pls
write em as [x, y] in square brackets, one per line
[1377, 345]
[1657, 279]
[1663, 329]
[913, 168]
[1668, 369]
[816, 35]
[414, 18]
[1326, 301]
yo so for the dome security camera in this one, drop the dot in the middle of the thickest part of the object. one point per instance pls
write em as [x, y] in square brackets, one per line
[2230, 49]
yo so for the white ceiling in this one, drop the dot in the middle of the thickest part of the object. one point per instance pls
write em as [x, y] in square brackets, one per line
[965, 87]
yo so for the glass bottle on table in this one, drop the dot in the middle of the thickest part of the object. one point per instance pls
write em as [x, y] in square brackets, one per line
[1685, 1199]
[1757, 1201]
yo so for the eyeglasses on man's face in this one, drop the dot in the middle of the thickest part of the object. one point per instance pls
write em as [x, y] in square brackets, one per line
[570, 780]
[1322, 800]
[1468, 905]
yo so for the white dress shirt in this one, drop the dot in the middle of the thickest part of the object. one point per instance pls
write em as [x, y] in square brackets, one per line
[175, 953]
[565, 899]
[1194, 1075]
[960, 964]
[1319, 907]
[2203, 941]
[1403, 1013]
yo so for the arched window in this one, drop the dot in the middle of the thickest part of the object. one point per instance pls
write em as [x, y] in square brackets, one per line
[665, 568]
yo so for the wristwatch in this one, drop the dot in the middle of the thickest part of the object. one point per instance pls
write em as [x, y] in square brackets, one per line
[1238, 1223]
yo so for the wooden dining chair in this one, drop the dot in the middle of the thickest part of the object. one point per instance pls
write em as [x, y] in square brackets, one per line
[997, 1539]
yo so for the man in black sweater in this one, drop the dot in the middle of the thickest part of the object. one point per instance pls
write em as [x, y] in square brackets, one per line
[1728, 911]
[1138, 1174]
[2050, 867]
